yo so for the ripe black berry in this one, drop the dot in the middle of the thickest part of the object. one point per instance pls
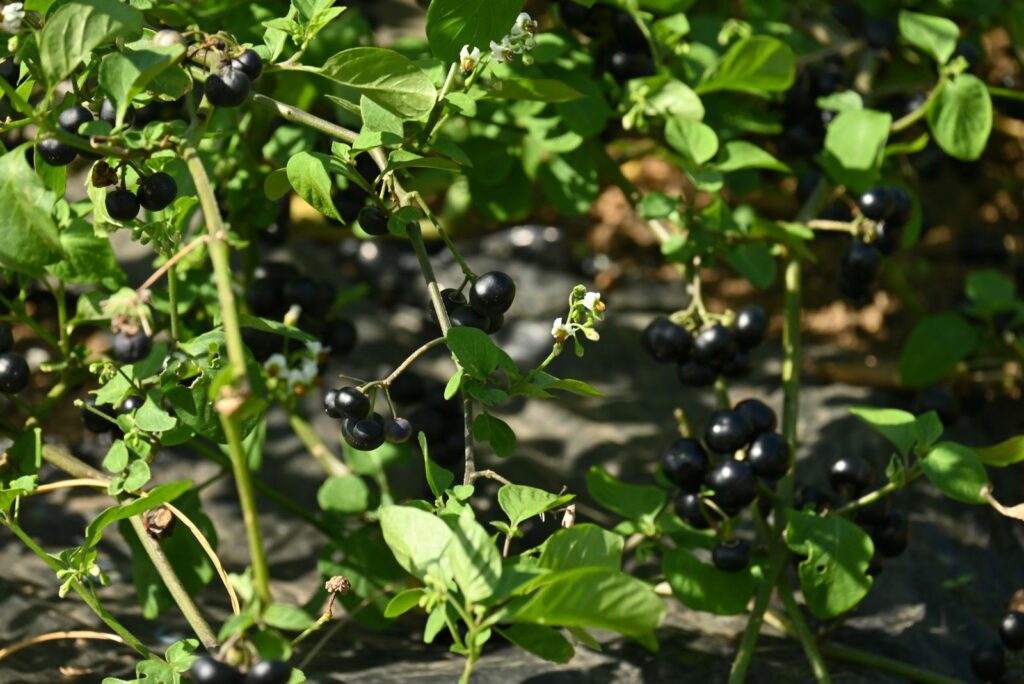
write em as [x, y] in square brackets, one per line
[759, 414]
[108, 113]
[887, 236]
[1011, 630]
[731, 556]
[208, 670]
[715, 345]
[665, 341]
[9, 71]
[14, 372]
[692, 511]
[751, 325]
[769, 456]
[96, 423]
[492, 293]
[122, 205]
[739, 366]
[696, 374]
[329, 408]
[467, 317]
[398, 430]
[56, 153]
[891, 539]
[228, 88]
[340, 335]
[374, 221]
[807, 496]
[250, 62]
[72, 118]
[131, 348]
[860, 263]
[988, 661]
[351, 403]
[365, 435]
[876, 204]
[734, 484]
[269, 671]
[130, 405]
[851, 473]
[875, 514]
[452, 298]
[6, 338]
[157, 192]
[902, 207]
[728, 431]
[685, 463]
[628, 65]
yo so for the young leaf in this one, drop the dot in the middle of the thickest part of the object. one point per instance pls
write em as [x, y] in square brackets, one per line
[961, 117]
[418, 540]
[473, 350]
[755, 262]
[487, 428]
[935, 35]
[895, 425]
[956, 471]
[386, 77]
[833, 575]
[582, 545]
[344, 494]
[403, 602]
[855, 146]
[634, 502]
[694, 140]
[78, 27]
[438, 478]
[521, 502]
[152, 418]
[543, 642]
[740, 154]
[755, 65]
[936, 345]
[454, 23]
[701, 586]
[155, 497]
[307, 173]
[475, 561]
[927, 429]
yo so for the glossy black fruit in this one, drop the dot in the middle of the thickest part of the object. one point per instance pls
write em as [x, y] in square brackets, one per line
[74, 117]
[727, 431]
[269, 671]
[902, 207]
[250, 62]
[398, 430]
[861, 262]
[374, 221]
[351, 403]
[95, 423]
[229, 88]
[692, 511]
[714, 345]
[876, 204]
[731, 556]
[988, 661]
[341, 336]
[6, 338]
[452, 298]
[685, 463]
[468, 317]
[739, 366]
[14, 372]
[329, 408]
[365, 434]
[875, 515]
[494, 323]
[696, 374]
[108, 113]
[891, 539]
[629, 65]
[734, 484]
[1011, 630]
[130, 404]
[887, 236]
[751, 325]
[759, 414]
[208, 670]
[131, 348]
[665, 341]
[769, 456]
[157, 192]
[492, 293]
[56, 153]
[808, 496]
[122, 205]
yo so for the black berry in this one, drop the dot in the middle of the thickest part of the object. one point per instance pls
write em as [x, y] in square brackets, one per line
[329, 408]
[665, 341]
[250, 62]
[685, 463]
[374, 221]
[14, 372]
[808, 496]
[850, 473]
[860, 262]
[876, 204]
[887, 236]
[734, 484]
[340, 335]
[692, 511]
[157, 192]
[6, 338]
[751, 325]
[269, 671]
[228, 88]
[988, 661]
[108, 113]
[902, 207]
[208, 670]
[398, 430]
[351, 403]
[731, 556]
[468, 317]
[875, 514]
[728, 431]
[130, 405]
[72, 118]
[56, 153]
[714, 345]
[629, 65]
[95, 423]
[769, 456]
[9, 71]
[122, 205]
[365, 435]
[452, 298]
[131, 348]
[739, 366]
[891, 539]
[696, 374]
[492, 293]
[1011, 630]
[759, 414]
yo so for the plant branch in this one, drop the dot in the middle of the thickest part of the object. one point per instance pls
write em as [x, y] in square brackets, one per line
[299, 116]
[803, 633]
[57, 636]
[316, 447]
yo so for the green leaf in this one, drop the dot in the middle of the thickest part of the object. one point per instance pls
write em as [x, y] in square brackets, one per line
[700, 586]
[152, 418]
[275, 328]
[124, 75]
[755, 262]
[694, 140]
[88, 259]
[833, 576]
[895, 425]
[475, 561]
[936, 36]
[116, 459]
[755, 65]
[307, 173]
[487, 428]
[1004, 454]
[532, 89]
[418, 540]
[543, 642]
[137, 476]
[155, 497]
[855, 146]
[633, 502]
[28, 235]
[584, 545]
[936, 345]
[403, 602]
[521, 502]
[740, 154]
[345, 494]
[657, 205]
[438, 478]
[961, 117]
[385, 77]
[956, 471]
[454, 23]
[927, 429]
[287, 617]
[474, 351]
[77, 28]
[989, 290]
[570, 181]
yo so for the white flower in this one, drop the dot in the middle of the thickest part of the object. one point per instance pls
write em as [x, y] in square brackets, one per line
[561, 331]
[12, 17]
[469, 58]
[503, 51]
[524, 25]
[275, 365]
[295, 377]
[315, 349]
[592, 301]
[309, 370]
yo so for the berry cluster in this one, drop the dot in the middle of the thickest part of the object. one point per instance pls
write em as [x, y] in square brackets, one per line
[229, 86]
[208, 670]
[362, 427]
[888, 208]
[490, 297]
[715, 350]
[750, 450]
[988, 660]
[14, 371]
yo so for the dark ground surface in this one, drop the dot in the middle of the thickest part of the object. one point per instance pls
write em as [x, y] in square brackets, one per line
[927, 607]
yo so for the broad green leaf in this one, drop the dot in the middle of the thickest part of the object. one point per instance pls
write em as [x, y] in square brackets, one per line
[755, 262]
[474, 351]
[28, 235]
[961, 117]
[936, 36]
[386, 77]
[855, 146]
[674, 99]
[1005, 453]
[521, 502]
[936, 345]
[740, 154]
[895, 425]
[345, 494]
[833, 574]
[77, 28]
[123, 75]
[487, 428]
[475, 561]
[570, 181]
[418, 540]
[152, 418]
[694, 140]
[403, 602]
[307, 173]
[452, 24]
[927, 429]
[155, 497]
[116, 459]
[701, 586]
[956, 471]
[543, 642]
[88, 259]
[584, 545]
[641, 503]
[137, 475]
[989, 290]
[287, 617]
[756, 65]
[532, 89]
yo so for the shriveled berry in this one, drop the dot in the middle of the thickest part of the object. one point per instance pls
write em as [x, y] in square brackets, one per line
[892, 538]
[492, 293]
[988, 661]
[398, 430]
[850, 473]
[341, 336]
[96, 423]
[751, 325]
[665, 341]
[72, 118]
[269, 672]
[727, 431]
[731, 556]
[714, 345]
[769, 456]
[374, 221]
[330, 396]
[685, 462]
[122, 205]
[696, 374]
[759, 414]
[692, 512]
[14, 372]
[157, 191]
[365, 434]
[250, 62]
[56, 153]
[1011, 630]
[734, 484]
[229, 88]
[131, 348]
[208, 670]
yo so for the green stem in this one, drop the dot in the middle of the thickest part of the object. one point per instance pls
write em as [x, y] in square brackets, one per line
[316, 447]
[745, 654]
[791, 367]
[172, 296]
[62, 320]
[404, 366]
[871, 497]
[913, 117]
[803, 633]
[910, 672]
[299, 116]
[466, 268]
[722, 393]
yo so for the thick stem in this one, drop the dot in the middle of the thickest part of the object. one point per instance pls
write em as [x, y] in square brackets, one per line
[469, 473]
[803, 633]
[316, 447]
